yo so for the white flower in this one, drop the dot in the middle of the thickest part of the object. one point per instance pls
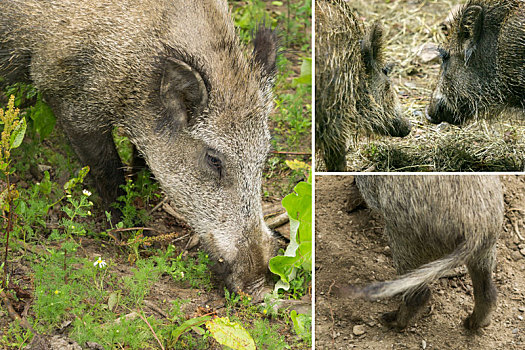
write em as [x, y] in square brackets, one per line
[101, 263]
[86, 193]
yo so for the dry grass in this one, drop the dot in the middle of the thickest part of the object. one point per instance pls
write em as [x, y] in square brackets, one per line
[483, 145]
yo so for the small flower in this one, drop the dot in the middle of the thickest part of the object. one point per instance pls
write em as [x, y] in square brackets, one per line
[57, 292]
[89, 212]
[86, 193]
[182, 274]
[265, 311]
[68, 195]
[101, 263]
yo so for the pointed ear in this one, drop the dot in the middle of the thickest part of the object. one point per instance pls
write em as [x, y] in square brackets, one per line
[182, 92]
[470, 29]
[372, 46]
[265, 48]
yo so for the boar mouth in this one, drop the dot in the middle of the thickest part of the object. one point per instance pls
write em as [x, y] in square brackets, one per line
[400, 127]
[437, 112]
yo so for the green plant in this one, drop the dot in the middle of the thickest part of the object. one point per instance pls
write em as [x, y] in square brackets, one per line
[138, 194]
[295, 267]
[12, 135]
[298, 254]
[41, 117]
[194, 271]
[267, 336]
[15, 337]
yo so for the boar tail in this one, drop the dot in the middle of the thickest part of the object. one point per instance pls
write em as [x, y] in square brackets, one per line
[410, 282]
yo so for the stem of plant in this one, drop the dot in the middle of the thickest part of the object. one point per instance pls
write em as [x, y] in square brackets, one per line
[8, 228]
[65, 259]
[288, 21]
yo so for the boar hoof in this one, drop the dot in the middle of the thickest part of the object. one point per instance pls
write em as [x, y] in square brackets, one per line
[390, 319]
[473, 323]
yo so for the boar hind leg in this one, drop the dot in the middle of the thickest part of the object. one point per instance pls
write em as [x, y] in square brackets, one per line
[409, 308]
[97, 150]
[485, 294]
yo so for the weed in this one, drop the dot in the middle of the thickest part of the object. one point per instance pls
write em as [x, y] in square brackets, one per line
[193, 271]
[15, 337]
[138, 195]
[12, 135]
[267, 336]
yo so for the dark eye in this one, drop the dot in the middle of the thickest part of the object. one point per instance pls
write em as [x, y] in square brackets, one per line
[444, 54]
[388, 68]
[214, 162]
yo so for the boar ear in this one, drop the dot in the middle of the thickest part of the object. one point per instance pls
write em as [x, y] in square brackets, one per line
[470, 29]
[182, 91]
[265, 47]
[372, 46]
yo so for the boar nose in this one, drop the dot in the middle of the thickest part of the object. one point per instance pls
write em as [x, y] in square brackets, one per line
[435, 111]
[402, 126]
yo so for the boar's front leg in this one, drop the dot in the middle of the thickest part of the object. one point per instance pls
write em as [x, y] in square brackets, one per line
[96, 148]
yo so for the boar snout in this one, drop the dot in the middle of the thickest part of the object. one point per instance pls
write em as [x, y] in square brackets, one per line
[401, 127]
[243, 265]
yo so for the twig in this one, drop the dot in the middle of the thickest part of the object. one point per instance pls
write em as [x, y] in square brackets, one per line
[131, 229]
[517, 230]
[292, 153]
[278, 221]
[158, 205]
[155, 308]
[13, 314]
[168, 209]
[181, 237]
[151, 329]
[332, 313]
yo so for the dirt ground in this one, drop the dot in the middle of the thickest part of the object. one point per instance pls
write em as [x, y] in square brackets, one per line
[350, 248]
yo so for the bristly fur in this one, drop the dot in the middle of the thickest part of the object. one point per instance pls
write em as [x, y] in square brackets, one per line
[435, 223]
[484, 73]
[176, 77]
[351, 94]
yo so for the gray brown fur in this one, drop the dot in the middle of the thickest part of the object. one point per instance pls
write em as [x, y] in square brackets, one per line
[433, 224]
[483, 63]
[174, 75]
[352, 91]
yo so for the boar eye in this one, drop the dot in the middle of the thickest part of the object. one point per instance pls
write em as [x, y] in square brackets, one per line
[214, 162]
[444, 54]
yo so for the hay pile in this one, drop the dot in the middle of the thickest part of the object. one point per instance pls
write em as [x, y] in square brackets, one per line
[483, 145]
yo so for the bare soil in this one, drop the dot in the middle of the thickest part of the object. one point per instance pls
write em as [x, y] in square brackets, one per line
[350, 248]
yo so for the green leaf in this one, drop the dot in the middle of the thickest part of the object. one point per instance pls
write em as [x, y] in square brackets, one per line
[18, 134]
[277, 3]
[300, 322]
[298, 254]
[230, 334]
[43, 118]
[68, 186]
[187, 325]
[113, 300]
[306, 73]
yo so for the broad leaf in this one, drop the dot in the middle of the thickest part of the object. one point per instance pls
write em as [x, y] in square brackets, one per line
[230, 334]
